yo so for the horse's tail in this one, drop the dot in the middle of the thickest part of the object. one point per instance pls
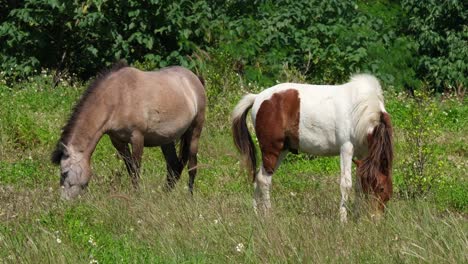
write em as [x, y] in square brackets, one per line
[202, 80]
[241, 135]
[380, 143]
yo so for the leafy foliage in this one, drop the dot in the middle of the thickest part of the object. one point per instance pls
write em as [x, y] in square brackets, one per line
[325, 41]
[422, 169]
[440, 29]
[83, 37]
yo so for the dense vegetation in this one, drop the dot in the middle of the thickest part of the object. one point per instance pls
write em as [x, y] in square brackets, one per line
[403, 42]
[49, 49]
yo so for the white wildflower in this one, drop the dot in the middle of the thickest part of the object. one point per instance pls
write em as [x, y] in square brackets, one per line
[59, 240]
[240, 247]
[91, 241]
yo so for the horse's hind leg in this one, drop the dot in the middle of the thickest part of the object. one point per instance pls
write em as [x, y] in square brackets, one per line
[271, 160]
[173, 164]
[193, 150]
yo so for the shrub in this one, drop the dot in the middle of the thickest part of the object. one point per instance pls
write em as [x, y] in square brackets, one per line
[421, 170]
[441, 32]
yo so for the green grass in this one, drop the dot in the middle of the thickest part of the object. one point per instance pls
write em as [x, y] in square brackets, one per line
[112, 223]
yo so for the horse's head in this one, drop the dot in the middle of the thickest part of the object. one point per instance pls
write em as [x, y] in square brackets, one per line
[74, 171]
[376, 183]
[384, 187]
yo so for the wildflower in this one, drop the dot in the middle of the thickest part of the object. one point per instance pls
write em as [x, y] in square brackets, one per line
[216, 221]
[91, 241]
[92, 260]
[293, 194]
[59, 241]
[240, 247]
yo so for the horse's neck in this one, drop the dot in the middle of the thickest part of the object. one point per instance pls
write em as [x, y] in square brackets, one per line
[89, 127]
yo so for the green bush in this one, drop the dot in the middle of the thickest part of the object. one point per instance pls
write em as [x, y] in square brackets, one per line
[421, 168]
[84, 37]
[403, 43]
[441, 33]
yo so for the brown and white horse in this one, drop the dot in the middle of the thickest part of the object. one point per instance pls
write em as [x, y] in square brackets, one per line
[143, 109]
[324, 120]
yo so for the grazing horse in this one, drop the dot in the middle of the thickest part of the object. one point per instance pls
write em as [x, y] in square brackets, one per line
[143, 109]
[323, 120]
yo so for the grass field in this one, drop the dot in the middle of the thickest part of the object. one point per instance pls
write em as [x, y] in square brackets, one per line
[112, 223]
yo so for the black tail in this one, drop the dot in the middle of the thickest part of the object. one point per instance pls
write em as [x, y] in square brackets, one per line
[241, 135]
[202, 80]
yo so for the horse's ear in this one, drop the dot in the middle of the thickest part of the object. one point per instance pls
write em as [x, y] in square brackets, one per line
[56, 156]
[59, 152]
[357, 162]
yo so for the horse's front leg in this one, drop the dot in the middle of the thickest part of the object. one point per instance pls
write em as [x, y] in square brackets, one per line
[124, 152]
[346, 156]
[137, 141]
[358, 196]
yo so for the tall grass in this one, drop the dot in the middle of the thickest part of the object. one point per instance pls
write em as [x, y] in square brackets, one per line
[112, 223]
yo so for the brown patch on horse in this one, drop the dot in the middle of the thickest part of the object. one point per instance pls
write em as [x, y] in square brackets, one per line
[375, 171]
[66, 130]
[277, 126]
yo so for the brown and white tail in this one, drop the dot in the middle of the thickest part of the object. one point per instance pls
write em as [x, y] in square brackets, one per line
[241, 134]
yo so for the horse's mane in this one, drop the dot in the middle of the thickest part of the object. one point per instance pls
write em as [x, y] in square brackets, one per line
[367, 100]
[67, 129]
[380, 159]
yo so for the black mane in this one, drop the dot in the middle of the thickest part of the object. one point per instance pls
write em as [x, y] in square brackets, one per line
[66, 130]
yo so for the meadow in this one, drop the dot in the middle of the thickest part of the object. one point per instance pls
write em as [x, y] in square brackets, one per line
[425, 222]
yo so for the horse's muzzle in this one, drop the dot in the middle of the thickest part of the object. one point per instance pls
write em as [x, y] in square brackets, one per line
[70, 192]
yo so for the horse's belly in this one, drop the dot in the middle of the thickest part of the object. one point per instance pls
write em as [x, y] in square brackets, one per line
[165, 132]
[162, 127]
[156, 139]
[318, 145]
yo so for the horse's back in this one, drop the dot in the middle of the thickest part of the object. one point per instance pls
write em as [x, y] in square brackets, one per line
[327, 112]
[161, 104]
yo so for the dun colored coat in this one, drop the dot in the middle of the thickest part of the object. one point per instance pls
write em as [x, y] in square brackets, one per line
[143, 109]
